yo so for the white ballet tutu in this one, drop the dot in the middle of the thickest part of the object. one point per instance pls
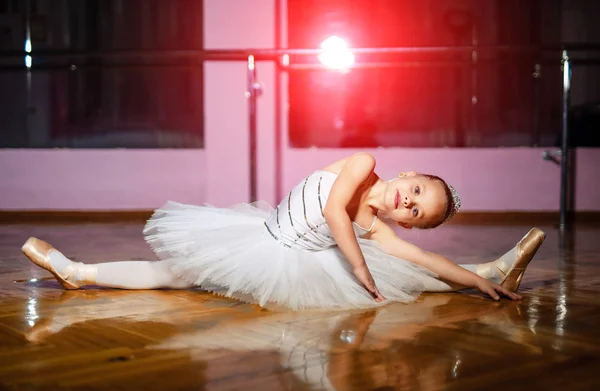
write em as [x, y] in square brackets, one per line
[230, 252]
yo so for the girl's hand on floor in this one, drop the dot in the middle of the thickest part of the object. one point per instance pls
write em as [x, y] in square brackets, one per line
[494, 290]
[366, 279]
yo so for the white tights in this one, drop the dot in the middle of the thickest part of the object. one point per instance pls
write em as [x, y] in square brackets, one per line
[124, 275]
[157, 274]
[139, 275]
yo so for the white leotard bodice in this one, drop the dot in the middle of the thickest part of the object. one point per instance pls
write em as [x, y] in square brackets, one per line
[299, 219]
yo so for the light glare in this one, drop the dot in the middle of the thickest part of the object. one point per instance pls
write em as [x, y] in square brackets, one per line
[335, 54]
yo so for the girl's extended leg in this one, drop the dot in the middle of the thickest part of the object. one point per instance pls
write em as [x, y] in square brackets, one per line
[507, 270]
[138, 275]
[124, 275]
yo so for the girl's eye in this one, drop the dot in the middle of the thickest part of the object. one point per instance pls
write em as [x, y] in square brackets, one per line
[415, 212]
[417, 190]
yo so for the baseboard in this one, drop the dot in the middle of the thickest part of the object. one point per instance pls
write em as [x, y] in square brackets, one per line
[523, 218]
[73, 217]
[140, 216]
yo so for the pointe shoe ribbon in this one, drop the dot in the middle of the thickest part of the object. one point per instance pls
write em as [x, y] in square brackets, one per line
[39, 251]
[78, 273]
[525, 250]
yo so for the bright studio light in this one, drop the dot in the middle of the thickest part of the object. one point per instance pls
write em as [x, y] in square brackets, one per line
[336, 54]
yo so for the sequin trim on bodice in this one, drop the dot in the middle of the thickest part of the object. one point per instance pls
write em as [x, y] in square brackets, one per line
[299, 220]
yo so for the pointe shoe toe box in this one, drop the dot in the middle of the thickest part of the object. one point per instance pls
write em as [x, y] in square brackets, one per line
[38, 252]
[527, 248]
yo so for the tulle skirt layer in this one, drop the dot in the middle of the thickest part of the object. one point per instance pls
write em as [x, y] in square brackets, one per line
[230, 252]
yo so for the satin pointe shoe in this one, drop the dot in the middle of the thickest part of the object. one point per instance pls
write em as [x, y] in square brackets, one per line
[39, 251]
[525, 250]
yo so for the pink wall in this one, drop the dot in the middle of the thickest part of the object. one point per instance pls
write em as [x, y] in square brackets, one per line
[234, 24]
[65, 179]
[488, 180]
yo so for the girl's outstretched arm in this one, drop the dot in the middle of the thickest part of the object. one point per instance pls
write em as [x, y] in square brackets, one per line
[444, 268]
[357, 170]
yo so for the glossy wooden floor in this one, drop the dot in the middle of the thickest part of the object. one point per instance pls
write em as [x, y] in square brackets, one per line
[96, 339]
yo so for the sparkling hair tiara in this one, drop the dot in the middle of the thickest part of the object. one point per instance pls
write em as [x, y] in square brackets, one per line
[456, 203]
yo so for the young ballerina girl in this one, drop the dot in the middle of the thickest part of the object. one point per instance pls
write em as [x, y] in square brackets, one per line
[324, 246]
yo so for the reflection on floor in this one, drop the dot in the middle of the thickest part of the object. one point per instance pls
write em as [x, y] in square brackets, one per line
[52, 339]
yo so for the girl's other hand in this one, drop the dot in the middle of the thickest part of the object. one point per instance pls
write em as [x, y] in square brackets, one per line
[494, 290]
[366, 279]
